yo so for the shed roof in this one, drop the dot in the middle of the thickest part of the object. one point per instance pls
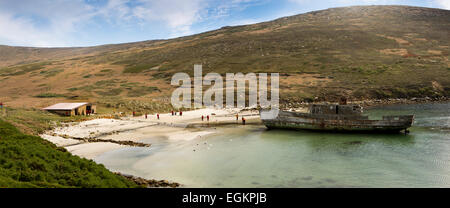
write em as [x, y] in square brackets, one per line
[65, 106]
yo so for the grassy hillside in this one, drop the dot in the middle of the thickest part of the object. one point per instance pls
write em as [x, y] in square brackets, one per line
[360, 52]
[30, 161]
[35, 121]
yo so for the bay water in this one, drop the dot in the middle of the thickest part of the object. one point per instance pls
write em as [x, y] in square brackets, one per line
[252, 156]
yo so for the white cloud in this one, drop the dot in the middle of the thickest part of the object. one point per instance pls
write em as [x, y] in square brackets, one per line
[50, 23]
[60, 22]
[179, 16]
[40, 23]
[19, 31]
[182, 14]
[223, 8]
[445, 4]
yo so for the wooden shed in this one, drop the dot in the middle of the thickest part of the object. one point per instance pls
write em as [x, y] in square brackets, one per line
[72, 109]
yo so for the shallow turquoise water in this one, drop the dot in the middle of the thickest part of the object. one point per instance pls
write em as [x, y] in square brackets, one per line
[252, 156]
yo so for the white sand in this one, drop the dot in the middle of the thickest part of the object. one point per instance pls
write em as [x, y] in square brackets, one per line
[139, 129]
[92, 150]
[96, 127]
[59, 141]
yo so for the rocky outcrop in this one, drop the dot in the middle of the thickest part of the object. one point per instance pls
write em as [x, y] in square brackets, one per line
[391, 101]
[371, 102]
[150, 183]
[91, 140]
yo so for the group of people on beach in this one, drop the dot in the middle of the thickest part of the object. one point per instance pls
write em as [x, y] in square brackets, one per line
[203, 117]
[237, 118]
[174, 113]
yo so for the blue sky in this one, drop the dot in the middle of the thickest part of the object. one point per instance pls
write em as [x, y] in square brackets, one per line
[62, 23]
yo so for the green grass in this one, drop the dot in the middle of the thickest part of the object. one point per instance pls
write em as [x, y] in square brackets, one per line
[115, 87]
[141, 91]
[107, 83]
[106, 70]
[31, 162]
[35, 121]
[51, 72]
[118, 104]
[162, 75]
[137, 68]
[109, 92]
[49, 95]
[87, 88]
[22, 69]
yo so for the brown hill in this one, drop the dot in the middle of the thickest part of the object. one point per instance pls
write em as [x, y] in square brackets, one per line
[361, 52]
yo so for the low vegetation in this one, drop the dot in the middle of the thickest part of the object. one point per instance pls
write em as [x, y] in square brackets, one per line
[22, 69]
[115, 87]
[361, 52]
[35, 121]
[50, 72]
[117, 104]
[31, 162]
[49, 95]
[137, 68]
[141, 90]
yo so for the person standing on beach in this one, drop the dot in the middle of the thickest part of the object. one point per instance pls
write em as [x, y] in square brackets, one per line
[237, 117]
[243, 120]
[145, 115]
[157, 115]
[134, 114]
[203, 117]
[181, 113]
[2, 110]
[172, 113]
[207, 117]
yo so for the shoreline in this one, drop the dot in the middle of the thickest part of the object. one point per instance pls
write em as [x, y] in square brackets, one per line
[149, 183]
[375, 102]
[400, 101]
[92, 138]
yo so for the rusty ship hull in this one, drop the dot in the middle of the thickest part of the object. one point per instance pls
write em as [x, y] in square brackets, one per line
[339, 123]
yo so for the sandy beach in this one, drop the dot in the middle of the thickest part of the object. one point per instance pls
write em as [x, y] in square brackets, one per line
[189, 126]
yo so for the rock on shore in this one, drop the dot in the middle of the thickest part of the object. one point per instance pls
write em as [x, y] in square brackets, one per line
[371, 102]
[150, 183]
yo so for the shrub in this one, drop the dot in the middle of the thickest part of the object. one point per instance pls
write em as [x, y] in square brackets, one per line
[49, 95]
[29, 161]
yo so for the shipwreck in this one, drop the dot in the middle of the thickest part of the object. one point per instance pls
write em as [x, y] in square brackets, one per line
[335, 117]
